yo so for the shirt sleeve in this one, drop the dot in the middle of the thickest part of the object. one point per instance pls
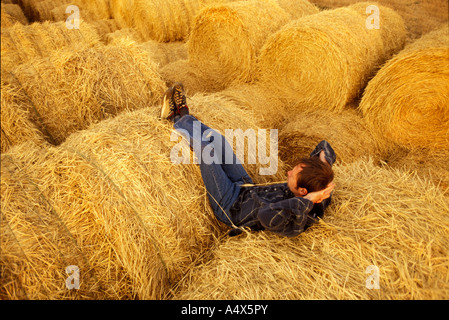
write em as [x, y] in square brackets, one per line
[286, 217]
[329, 153]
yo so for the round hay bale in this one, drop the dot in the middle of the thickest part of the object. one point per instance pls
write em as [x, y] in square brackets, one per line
[12, 14]
[345, 131]
[100, 9]
[42, 236]
[225, 39]
[73, 89]
[41, 10]
[110, 201]
[380, 217]
[321, 61]
[161, 54]
[115, 194]
[158, 20]
[392, 27]
[407, 102]
[20, 44]
[297, 8]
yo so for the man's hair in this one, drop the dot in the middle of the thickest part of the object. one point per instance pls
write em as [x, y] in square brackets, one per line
[315, 175]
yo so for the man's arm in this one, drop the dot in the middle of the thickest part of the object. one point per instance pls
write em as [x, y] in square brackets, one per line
[328, 153]
[287, 217]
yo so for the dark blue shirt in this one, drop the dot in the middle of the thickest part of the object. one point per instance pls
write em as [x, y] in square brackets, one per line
[275, 208]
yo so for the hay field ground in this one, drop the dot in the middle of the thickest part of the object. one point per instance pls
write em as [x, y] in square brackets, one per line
[88, 185]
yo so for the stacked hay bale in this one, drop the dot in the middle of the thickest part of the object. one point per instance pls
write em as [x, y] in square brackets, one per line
[392, 28]
[158, 20]
[20, 44]
[225, 41]
[379, 217]
[12, 14]
[110, 201]
[406, 107]
[324, 60]
[130, 234]
[73, 89]
[407, 102]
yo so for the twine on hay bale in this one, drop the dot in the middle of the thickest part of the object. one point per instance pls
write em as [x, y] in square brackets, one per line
[73, 89]
[225, 39]
[20, 44]
[110, 201]
[380, 217]
[323, 60]
[407, 102]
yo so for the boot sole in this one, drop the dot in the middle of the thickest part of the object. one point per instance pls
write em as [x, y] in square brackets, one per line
[165, 109]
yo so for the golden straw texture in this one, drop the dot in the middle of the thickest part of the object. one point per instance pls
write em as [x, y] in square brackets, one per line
[161, 54]
[73, 89]
[111, 201]
[379, 217]
[11, 14]
[407, 102]
[17, 123]
[298, 8]
[323, 60]
[158, 20]
[22, 43]
[225, 39]
[41, 10]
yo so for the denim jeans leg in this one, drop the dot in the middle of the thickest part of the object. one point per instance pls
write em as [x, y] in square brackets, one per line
[222, 181]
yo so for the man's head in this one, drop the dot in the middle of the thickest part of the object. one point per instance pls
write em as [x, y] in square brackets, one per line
[309, 175]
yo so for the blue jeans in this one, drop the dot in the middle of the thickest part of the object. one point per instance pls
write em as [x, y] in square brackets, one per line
[222, 177]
